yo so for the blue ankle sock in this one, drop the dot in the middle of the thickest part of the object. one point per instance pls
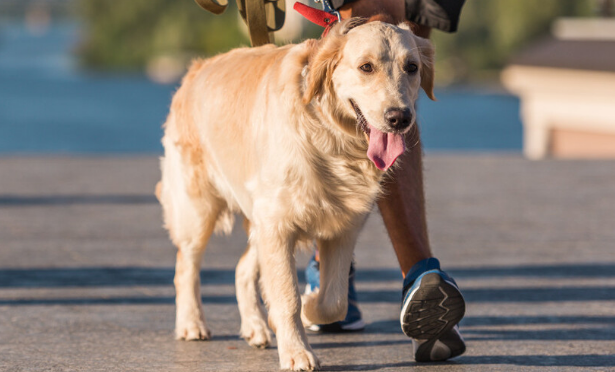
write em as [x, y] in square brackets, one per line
[418, 269]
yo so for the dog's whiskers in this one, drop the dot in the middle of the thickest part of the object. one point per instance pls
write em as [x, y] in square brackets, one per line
[415, 133]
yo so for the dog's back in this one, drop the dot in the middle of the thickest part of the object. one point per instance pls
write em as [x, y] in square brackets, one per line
[207, 130]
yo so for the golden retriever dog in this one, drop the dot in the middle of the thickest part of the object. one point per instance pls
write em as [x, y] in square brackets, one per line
[296, 139]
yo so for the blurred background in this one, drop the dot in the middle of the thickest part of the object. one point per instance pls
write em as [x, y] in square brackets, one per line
[97, 76]
[86, 270]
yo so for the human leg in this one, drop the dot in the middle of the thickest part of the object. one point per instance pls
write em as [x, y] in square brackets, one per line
[403, 207]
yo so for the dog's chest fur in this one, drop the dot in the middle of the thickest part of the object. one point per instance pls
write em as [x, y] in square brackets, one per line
[322, 196]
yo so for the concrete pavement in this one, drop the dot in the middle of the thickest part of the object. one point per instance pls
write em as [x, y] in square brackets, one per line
[86, 271]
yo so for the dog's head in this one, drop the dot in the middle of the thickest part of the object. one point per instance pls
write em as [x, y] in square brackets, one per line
[365, 75]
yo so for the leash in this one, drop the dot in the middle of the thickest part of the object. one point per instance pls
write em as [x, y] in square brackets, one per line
[263, 17]
[325, 18]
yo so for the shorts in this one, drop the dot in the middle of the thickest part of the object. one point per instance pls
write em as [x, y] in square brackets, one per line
[440, 14]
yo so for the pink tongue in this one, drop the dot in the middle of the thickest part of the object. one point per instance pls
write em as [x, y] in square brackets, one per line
[384, 148]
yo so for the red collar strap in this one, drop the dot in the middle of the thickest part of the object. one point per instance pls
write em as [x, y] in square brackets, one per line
[317, 16]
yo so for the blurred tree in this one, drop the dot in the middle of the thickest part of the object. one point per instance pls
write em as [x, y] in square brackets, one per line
[127, 34]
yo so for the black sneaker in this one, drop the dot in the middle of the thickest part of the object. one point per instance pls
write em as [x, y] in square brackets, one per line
[432, 306]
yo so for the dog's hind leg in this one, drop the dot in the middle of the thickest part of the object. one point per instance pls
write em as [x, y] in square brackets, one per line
[190, 212]
[254, 327]
[330, 303]
[190, 320]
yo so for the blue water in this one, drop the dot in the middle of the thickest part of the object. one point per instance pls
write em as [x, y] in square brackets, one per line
[49, 105]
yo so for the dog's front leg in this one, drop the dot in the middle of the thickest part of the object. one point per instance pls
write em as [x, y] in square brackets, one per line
[279, 280]
[330, 303]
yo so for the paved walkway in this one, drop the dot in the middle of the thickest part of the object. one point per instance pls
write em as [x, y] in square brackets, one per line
[86, 271]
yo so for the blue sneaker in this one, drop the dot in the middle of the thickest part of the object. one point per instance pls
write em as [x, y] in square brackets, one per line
[432, 307]
[353, 321]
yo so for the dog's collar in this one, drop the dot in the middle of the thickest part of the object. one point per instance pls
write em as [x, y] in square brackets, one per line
[325, 18]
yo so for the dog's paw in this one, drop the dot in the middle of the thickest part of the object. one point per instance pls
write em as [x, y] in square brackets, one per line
[192, 330]
[256, 333]
[313, 311]
[299, 360]
[308, 301]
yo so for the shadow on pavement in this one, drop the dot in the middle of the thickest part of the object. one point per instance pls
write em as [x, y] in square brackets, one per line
[25, 201]
[542, 271]
[103, 277]
[598, 328]
[140, 276]
[580, 360]
[144, 300]
[131, 276]
[472, 321]
[591, 360]
[332, 345]
[592, 333]
[589, 293]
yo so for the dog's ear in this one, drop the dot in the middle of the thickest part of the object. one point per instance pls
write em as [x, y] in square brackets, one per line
[320, 70]
[353, 22]
[325, 56]
[426, 52]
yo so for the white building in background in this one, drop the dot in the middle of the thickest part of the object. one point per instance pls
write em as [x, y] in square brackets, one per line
[567, 89]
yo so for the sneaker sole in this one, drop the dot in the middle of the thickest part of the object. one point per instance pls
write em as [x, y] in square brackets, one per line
[436, 307]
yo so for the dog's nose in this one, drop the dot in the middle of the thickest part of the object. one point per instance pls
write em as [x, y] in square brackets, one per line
[398, 118]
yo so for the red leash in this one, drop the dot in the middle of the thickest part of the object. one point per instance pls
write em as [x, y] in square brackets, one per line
[317, 16]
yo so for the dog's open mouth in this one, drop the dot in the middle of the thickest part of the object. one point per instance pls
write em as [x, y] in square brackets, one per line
[384, 148]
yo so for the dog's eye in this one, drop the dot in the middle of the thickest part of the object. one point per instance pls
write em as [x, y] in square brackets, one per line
[411, 68]
[367, 67]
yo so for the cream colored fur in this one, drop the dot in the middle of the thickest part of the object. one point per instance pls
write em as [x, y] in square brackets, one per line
[270, 133]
